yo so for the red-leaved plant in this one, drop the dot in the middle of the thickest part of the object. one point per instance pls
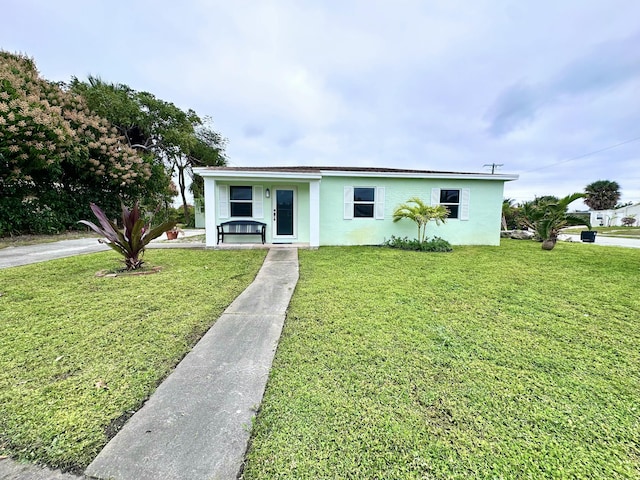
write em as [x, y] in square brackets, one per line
[131, 241]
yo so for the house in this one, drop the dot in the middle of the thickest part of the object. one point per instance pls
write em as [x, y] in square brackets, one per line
[317, 206]
[613, 218]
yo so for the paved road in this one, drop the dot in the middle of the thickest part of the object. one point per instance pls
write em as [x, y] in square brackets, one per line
[15, 256]
[605, 241]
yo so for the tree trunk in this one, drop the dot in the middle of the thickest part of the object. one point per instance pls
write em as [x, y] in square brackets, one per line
[185, 207]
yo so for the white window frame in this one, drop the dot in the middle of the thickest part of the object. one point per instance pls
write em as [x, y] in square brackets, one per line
[232, 201]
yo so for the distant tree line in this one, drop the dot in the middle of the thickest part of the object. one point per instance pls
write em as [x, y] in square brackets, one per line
[599, 195]
[63, 146]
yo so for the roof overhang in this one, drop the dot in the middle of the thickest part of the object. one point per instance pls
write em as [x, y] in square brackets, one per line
[244, 174]
[310, 173]
[443, 175]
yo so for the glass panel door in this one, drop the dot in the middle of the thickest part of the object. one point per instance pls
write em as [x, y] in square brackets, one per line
[283, 212]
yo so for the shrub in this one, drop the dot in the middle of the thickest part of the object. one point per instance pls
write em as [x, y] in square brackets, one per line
[436, 244]
[628, 221]
[130, 242]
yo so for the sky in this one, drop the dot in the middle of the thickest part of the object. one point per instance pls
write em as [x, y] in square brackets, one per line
[546, 89]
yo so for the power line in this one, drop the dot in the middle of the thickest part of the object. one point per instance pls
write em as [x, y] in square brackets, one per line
[584, 155]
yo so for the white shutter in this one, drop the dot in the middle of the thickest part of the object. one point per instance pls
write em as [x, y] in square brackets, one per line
[223, 201]
[435, 197]
[464, 204]
[379, 203]
[348, 203]
[258, 211]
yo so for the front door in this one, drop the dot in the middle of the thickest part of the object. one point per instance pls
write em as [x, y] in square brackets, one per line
[284, 213]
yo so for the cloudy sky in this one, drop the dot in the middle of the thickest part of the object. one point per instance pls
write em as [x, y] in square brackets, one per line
[548, 89]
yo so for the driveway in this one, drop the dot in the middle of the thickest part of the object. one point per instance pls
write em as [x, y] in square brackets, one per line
[16, 256]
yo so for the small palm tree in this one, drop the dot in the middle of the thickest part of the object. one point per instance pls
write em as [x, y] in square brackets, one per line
[549, 216]
[421, 213]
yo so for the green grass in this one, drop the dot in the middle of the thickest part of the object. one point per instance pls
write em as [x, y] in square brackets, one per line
[487, 362]
[64, 331]
[626, 232]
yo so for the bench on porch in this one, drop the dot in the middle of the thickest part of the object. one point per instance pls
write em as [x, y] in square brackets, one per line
[241, 227]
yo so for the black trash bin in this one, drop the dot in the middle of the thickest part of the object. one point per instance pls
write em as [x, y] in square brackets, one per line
[588, 236]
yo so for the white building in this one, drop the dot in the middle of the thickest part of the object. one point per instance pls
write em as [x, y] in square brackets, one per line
[613, 218]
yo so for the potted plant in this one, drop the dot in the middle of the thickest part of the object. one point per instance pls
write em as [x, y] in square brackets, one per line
[173, 233]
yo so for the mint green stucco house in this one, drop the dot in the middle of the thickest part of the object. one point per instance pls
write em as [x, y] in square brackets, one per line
[317, 206]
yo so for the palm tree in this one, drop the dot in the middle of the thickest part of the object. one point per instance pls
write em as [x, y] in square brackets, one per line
[508, 213]
[602, 195]
[421, 213]
[549, 216]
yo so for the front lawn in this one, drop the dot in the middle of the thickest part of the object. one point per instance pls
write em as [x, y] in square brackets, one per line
[79, 354]
[487, 362]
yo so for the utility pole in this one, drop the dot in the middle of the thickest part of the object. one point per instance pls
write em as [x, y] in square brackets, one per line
[494, 166]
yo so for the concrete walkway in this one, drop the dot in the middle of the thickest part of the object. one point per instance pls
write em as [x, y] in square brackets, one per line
[197, 423]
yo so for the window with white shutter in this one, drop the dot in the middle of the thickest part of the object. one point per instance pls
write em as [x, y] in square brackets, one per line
[363, 202]
[455, 200]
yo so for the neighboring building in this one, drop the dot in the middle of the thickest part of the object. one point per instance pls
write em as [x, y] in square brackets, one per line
[198, 205]
[350, 206]
[613, 218]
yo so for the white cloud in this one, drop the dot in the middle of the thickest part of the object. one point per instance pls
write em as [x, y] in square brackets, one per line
[446, 85]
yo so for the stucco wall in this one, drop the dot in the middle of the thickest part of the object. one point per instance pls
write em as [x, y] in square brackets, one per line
[482, 227]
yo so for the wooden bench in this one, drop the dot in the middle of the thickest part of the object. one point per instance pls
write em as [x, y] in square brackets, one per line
[242, 227]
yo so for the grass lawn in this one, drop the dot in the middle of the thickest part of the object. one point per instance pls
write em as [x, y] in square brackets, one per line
[626, 232]
[486, 362]
[79, 354]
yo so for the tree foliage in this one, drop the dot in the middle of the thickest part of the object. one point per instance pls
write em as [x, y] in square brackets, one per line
[421, 213]
[602, 195]
[174, 138]
[57, 155]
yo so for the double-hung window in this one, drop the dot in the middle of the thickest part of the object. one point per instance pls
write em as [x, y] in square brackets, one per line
[456, 200]
[363, 202]
[451, 200]
[241, 201]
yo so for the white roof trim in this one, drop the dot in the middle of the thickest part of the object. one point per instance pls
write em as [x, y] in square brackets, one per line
[205, 172]
[445, 175]
[229, 174]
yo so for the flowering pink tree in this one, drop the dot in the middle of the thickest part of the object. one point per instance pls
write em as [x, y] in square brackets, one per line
[56, 156]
